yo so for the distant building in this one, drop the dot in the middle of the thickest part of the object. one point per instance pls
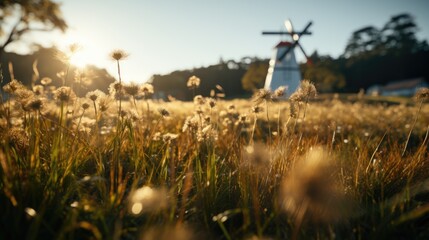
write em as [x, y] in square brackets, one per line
[405, 88]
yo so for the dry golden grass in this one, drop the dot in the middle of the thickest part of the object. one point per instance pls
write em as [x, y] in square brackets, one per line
[120, 165]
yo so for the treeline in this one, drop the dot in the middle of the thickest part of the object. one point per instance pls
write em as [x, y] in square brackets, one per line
[223, 78]
[373, 56]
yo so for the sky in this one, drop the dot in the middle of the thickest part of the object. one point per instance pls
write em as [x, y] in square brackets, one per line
[167, 35]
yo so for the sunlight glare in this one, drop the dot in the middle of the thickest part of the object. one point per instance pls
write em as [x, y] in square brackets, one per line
[80, 59]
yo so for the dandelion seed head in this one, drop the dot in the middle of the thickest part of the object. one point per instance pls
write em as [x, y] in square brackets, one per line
[262, 95]
[104, 103]
[193, 82]
[132, 89]
[308, 89]
[157, 136]
[422, 94]
[64, 94]
[311, 189]
[212, 102]
[279, 92]
[34, 104]
[38, 89]
[164, 112]
[18, 139]
[46, 81]
[199, 100]
[85, 105]
[118, 55]
[12, 86]
[257, 109]
[147, 90]
[94, 95]
[169, 137]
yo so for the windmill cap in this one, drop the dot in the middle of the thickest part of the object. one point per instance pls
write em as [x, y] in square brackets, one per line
[283, 44]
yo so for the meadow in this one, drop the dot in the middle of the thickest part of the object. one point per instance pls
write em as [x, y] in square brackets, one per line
[121, 165]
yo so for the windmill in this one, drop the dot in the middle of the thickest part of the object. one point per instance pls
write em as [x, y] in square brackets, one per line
[284, 70]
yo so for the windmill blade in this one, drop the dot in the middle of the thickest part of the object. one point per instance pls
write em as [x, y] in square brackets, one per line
[289, 26]
[274, 33]
[305, 29]
[287, 51]
[302, 50]
[296, 37]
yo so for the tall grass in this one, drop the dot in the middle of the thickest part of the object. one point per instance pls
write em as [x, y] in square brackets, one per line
[210, 169]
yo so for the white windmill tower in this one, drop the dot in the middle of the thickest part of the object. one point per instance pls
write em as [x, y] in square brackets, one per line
[284, 70]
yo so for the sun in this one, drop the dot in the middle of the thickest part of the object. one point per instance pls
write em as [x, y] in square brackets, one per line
[80, 51]
[81, 58]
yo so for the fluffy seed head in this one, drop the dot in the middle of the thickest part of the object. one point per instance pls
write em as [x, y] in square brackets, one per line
[46, 81]
[262, 95]
[64, 94]
[312, 191]
[422, 94]
[193, 82]
[118, 55]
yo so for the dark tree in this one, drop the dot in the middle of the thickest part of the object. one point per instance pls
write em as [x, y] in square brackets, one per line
[18, 17]
[254, 78]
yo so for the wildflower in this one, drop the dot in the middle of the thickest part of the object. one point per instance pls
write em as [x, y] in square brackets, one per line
[257, 109]
[242, 119]
[308, 89]
[262, 95]
[232, 109]
[279, 92]
[169, 137]
[147, 89]
[85, 105]
[118, 55]
[207, 133]
[131, 89]
[191, 124]
[46, 81]
[422, 94]
[64, 94]
[199, 100]
[18, 139]
[147, 199]
[34, 104]
[115, 87]
[212, 102]
[23, 94]
[193, 82]
[38, 89]
[93, 95]
[12, 86]
[157, 136]
[103, 103]
[293, 109]
[311, 190]
[164, 112]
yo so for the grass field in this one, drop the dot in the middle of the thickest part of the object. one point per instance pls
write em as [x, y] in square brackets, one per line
[97, 167]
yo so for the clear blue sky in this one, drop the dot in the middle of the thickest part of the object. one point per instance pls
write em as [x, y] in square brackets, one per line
[166, 35]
